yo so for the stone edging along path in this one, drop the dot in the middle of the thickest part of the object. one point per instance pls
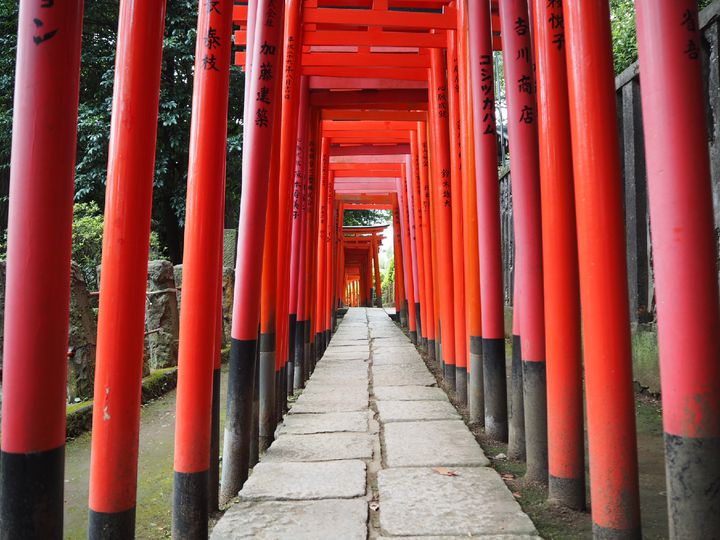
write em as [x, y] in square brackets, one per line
[373, 449]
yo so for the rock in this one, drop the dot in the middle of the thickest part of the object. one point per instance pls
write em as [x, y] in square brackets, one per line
[178, 273]
[228, 295]
[161, 316]
[81, 340]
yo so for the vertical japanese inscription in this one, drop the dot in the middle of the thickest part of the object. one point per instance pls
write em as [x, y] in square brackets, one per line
[211, 39]
[42, 34]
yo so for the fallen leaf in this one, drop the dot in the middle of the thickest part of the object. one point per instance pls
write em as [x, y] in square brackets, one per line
[444, 471]
[507, 476]
[516, 494]
[374, 506]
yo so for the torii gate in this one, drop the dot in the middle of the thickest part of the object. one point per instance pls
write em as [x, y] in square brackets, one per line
[359, 78]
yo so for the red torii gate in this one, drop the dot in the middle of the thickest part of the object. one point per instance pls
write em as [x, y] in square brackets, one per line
[371, 78]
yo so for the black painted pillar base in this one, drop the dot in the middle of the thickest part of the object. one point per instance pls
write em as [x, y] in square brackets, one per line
[292, 343]
[413, 337]
[190, 508]
[430, 345]
[418, 323]
[693, 477]
[240, 410]
[475, 390]
[109, 525]
[449, 374]
[299, 350]
[267, 391]
[31, 501]
[535, 401]
[568, 492]
[213, 503]
[516, 442]
[461, 382]
[605, 533]
[495, 389]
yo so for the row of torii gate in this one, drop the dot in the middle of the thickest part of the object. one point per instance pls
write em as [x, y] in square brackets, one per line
[371, 104]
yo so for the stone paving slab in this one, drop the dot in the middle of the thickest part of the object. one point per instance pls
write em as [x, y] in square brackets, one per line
[421, 502]
[408, 411]
[409, 393]
[298, 481]
[446, 443]
[320, 447]
[402, 376]
[398, 360]
[305, 424]
[298, 520]
[482, 536]
[329, 404]
[322, 390]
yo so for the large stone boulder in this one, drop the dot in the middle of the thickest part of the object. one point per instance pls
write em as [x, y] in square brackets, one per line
[82, 339]
[178, 273]
[161, 316]
[228, 286]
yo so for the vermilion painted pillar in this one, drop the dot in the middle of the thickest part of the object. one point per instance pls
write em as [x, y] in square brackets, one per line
[426, 229]
[458, 246]
[443, 211]
[414, 185]
[473, 327]
[488, 209]
[246, 306]
[566, 434]
[685, 261]
[309, 239]
[398, 261]
[201, 278]
[407, 257]
[299, 215]
[322, 266]
[603, 272]
[121, 318]
[522, 132]
[42, 172]
[267, 342]
[414, 301]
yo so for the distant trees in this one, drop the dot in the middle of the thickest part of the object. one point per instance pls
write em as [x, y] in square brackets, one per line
[96, 88]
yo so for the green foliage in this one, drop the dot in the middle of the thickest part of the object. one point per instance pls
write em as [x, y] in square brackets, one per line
[624, 36]
[87, 237]
[366, 218]
[96, 89]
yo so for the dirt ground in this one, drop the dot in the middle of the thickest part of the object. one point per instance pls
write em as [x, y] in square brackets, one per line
[155, 472]
[154, 506]
[556, 522]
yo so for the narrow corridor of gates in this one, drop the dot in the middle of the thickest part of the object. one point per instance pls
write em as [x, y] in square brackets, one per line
[371, 105]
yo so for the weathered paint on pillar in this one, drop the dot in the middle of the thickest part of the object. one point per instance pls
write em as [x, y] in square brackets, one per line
[121, 318]
[246, 306]
[685, 261]
[202, 280]
[37, 302]
[566, 434]
[603, 273]
[522, 132]
[488, 209]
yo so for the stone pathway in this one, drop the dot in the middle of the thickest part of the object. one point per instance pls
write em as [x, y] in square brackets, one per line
[373, 449]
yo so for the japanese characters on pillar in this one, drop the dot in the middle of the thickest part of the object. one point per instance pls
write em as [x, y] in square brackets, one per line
[42, 169]
[202, 279]
[266, 29]
[685, 260]
[524, 165]
[566, 452]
